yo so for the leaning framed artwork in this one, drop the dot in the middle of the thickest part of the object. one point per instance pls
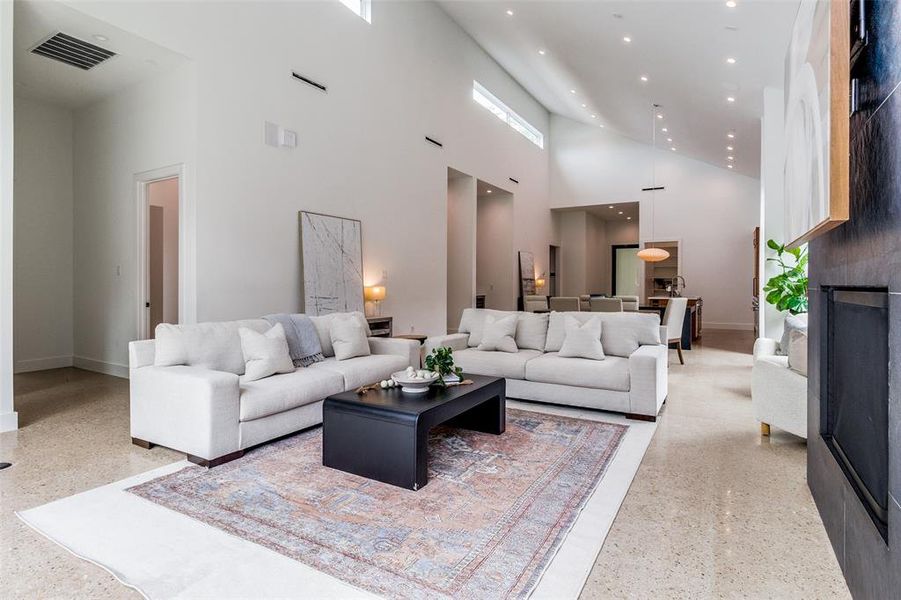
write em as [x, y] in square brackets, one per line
[817, 82]
[331, 264]
[526, 274]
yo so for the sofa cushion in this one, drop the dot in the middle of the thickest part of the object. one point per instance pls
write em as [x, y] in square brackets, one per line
[279, 393]
[621, 333]
[792, 323]
[612, 373]
[497, 334]
[797, 351]
[215, 346]
[323, 324]
[473, 322]
[363, 370]
[495, 364]
[266, 353]
[531, 330]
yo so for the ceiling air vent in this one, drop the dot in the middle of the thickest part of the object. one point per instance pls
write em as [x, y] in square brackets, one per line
[72, 51]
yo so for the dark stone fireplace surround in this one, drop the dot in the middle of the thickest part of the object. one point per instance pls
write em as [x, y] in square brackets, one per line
[865, 252]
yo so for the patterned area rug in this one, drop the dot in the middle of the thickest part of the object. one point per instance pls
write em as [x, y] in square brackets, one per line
[491, 518]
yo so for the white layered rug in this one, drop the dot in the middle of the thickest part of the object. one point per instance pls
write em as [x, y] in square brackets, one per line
[165, 554]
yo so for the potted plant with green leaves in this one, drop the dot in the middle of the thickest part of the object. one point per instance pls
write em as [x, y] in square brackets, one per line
[788, 290]
[441, 361]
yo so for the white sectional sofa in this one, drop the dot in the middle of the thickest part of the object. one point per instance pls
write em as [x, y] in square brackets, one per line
[188, 395]
[632, 379]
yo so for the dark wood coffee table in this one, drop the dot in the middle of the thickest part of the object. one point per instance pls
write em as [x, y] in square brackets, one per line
[384, 434]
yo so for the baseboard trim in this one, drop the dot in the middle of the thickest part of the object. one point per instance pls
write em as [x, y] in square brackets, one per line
[9, 421]
[43, 364]
[99, 366]
[732, 326]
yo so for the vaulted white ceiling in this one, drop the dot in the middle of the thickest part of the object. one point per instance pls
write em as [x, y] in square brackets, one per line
[573, 58]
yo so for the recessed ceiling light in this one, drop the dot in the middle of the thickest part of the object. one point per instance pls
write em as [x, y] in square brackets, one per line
[730, 148]
[730, 166]
[572, 91]
[509, 13]
[730, 60]
[673, 148]
[664, 130]
[542, 52]
[584, 106]
[669, 139]
[730, 158]
[731, 3]
[627, 39]
[730, 99]
[644, 78]
[611, 206]
[594, 116]
[489, 191]
[620, 212]
[628, 218]
[659, 115]
[100, 38]
[731, 136]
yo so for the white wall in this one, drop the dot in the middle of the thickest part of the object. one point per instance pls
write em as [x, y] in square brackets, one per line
[8, 417]
[43, 241]
[461, 246]
[145, 127]
[496, 262]
[164, 193]
[361, 151]
[772, 202]
[573, 231]
[712, 211]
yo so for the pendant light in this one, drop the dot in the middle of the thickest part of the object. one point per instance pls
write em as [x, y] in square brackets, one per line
[653, 254]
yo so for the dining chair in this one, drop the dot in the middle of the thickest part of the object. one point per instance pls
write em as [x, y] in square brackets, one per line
[673, 319]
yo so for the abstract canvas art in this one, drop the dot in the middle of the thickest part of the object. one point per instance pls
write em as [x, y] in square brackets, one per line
[816, 117]
[331, 258]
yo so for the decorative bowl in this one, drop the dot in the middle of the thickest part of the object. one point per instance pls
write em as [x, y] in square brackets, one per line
[413, 386]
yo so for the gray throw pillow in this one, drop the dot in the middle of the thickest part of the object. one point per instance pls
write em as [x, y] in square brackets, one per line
[797, 352]
[582, 340]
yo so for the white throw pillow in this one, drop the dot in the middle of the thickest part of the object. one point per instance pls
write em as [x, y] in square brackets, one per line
[348, 338]
[498, 334]
[797, 351]
[265, 354]
[582, 341]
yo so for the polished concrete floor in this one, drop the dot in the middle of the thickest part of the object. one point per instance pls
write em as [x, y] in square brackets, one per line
[714, 511]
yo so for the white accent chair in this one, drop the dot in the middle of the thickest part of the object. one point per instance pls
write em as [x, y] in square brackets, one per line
[778, 392]
[630, 303]
[606, 305]
[532, 303]
[565, 304]
[673, 320]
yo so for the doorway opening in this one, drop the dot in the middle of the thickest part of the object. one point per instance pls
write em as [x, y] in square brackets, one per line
[496, 263]
[160, 250]
[625, 270]
[553, 268]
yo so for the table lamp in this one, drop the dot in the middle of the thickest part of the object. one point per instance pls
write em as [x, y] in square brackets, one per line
[375, 293]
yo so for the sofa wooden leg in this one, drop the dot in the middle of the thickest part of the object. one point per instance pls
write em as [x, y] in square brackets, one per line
[215, 462]
[142, 443]
[764, 429]
[638, 417]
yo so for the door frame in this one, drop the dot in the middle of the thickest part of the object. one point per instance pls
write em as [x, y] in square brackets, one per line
[187, 283]
[613, 249]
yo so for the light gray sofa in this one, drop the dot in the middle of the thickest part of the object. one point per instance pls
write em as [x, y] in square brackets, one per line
[632, 379]
[187, 393]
